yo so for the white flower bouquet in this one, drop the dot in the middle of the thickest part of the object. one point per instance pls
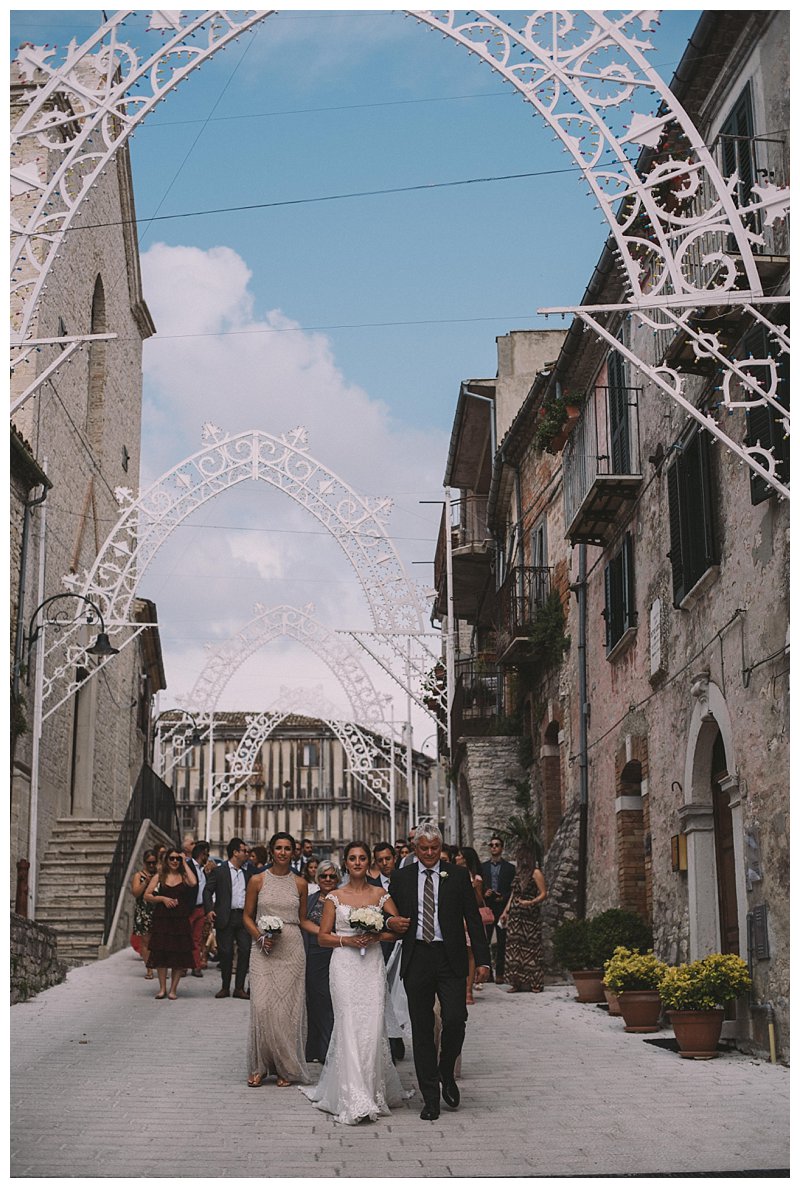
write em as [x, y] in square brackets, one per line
[366, 919]
[268, 926]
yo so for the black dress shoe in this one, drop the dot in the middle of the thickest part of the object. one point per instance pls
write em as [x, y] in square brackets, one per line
[450, 1093]
[241, 994]
[430, 1113]
[223, 994]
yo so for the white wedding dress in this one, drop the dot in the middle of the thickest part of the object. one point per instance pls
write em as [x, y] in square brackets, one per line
[358, 1079]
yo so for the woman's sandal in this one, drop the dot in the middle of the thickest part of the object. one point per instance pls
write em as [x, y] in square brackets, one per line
[172, 996]
[255, 1080]
[148, 977]
[282, 1083]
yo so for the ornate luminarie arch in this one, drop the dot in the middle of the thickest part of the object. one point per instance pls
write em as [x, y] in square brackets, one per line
[584, 72]
[297, 623]
[363, 754]
[357, 523]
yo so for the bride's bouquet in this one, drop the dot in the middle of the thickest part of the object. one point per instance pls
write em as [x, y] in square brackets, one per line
[366, 919]
[268, 926]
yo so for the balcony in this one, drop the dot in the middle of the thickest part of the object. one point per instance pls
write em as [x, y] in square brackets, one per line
[757, 161]
[602, 471]
[519, 602]
[478, 699]
[472, 554]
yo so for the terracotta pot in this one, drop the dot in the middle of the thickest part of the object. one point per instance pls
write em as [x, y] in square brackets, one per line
[697, 1032]
[641, 1010]
[613, 1001]
[589, 984]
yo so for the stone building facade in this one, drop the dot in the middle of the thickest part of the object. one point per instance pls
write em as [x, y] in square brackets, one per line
[301, 783]
[83, 428]
[656, 703]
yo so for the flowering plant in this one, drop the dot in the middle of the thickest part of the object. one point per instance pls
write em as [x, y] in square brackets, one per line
[444, 874]
[628, 970]
[268, 926]
[705, 984]
[366, 919]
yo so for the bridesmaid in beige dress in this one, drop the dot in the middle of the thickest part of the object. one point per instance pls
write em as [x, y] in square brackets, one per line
[277, 1037]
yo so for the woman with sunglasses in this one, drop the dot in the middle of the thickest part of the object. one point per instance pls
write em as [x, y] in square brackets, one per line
[318, 960]
[143, 912]
[172, 892]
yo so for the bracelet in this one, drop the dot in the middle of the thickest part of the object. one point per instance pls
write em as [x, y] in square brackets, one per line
[341, 942]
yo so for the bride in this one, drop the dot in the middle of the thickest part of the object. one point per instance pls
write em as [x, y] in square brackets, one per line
[358, 1080]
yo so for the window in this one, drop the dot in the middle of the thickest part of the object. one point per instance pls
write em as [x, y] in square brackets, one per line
[736, 148]
[618, 417]
[309, 755]
[620, 608]
[693, 544]
[765, 426]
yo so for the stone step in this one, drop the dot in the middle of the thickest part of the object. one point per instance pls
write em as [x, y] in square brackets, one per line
[58, 915]
[56, 896]
[92, 862]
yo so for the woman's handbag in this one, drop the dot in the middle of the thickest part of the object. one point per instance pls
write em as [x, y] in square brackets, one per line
[487, 915]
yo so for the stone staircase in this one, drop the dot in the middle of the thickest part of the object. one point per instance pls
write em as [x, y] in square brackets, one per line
[72, 885]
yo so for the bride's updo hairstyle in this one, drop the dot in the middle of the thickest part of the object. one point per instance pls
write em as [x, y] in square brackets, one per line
[276, 837]
[357, 845]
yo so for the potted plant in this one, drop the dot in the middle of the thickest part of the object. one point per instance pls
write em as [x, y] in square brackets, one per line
[572, 950]
[612, 929]
[694, 996]
[635, 978]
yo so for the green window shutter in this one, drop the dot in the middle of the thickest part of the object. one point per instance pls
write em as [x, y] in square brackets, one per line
[675, 553]
[628, 587]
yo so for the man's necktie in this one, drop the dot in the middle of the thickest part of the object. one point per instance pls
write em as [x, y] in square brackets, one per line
[427, 908]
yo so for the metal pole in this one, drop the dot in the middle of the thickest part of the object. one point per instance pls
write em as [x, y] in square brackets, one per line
[451, 661]
[412, 796]
[33, 819]
[583, 760]
[210, 790]
[392, 788]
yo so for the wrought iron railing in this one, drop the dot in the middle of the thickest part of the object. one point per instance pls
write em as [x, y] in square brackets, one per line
[479, 696]
[151, 800]
[519, 600]
[604, 441]
[468, 527]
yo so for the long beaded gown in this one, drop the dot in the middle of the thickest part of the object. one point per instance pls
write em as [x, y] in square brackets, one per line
[358, 1079]
[524, 968]
[277, 1038]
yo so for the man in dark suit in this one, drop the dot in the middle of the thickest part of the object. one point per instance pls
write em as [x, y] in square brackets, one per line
[498, 875]
[223, 899]
[434, 899]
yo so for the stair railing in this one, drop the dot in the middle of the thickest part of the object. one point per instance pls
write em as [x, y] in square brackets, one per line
[152, 800]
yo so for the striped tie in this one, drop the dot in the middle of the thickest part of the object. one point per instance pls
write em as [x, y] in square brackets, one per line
[427, 908]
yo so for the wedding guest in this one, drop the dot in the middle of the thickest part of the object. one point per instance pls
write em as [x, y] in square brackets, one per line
[276, 1042]
[522, 920]
[197, 916]
[318, 992]
[259, 859]
[466, 856]
[143, 912]
[498, 875]
[172, 893]
[224, 898]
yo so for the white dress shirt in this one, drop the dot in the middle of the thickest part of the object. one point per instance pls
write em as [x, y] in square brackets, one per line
[421, 880]
[201, 882]
[237, 888]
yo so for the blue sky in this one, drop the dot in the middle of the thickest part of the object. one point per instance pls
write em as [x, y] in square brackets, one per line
[359, 316]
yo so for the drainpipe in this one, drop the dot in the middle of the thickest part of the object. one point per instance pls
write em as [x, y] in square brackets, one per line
[583, 761]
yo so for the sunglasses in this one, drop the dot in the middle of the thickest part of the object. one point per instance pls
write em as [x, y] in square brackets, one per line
[328, 875]
[174, 858]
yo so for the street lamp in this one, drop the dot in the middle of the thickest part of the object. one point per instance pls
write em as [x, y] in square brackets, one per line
[103, 650]
[195, 740]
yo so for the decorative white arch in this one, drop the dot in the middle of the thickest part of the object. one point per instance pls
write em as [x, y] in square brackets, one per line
[584, 72]
[357, 523]
[298, 623]
[360, 747]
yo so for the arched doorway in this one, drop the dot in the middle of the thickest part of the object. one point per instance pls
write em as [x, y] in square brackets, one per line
[712, 821]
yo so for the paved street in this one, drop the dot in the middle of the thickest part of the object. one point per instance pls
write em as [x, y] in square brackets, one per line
[108, 1082]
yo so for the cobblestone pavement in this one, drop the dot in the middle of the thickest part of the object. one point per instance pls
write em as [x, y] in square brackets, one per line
[108, 1082]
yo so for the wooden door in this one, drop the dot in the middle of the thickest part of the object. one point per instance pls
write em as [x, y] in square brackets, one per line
[723, 844]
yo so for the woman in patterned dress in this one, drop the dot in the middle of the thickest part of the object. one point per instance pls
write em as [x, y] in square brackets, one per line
[522, 919]
[143, 912]
[277, 1037]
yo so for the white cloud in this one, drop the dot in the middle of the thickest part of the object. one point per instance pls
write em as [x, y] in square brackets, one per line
[217, 358]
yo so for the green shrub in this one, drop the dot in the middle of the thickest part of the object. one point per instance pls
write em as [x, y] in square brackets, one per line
[626, 970]
[705, 984]
[617, 927]
[572, 946]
